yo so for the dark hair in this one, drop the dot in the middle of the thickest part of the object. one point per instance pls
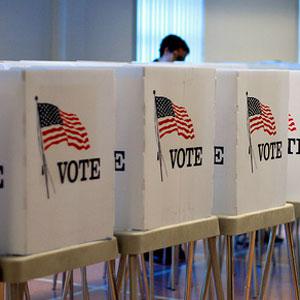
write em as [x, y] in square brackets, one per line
[173, 42]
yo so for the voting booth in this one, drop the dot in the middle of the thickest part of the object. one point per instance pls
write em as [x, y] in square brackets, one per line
[165, 129]
[251, 140]
[56, 163]
[293, 147]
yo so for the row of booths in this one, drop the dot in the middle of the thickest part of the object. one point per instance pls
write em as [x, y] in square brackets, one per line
[87, 148]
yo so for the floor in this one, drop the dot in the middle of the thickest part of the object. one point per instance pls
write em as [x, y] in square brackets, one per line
[280, 284]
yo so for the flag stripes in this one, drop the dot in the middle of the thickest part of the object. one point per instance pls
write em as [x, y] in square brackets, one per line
[58, 126]
[173, 118]
[292, 124]
[260, 116]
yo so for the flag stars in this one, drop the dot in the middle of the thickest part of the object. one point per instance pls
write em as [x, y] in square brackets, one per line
[164, 107]
[254, 106]
[49, 115]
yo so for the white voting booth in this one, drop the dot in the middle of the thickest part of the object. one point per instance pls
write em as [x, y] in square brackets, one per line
[293, 126]
[165, 126]
[172, 143]
[251, 140]
[56, 165]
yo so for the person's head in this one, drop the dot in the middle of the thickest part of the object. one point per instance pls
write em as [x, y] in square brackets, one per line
[173, 48]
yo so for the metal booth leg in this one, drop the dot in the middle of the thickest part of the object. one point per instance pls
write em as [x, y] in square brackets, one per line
[230, 268]
[2, 289]
[292, 258]
[139, 275]
[144, 276]
[84, 283]
[151, 275]
[215, 267]
[15, 291]
[254, 278]
[111, 280]
[174, 265]
[68, 287]
[121, 273]
[250, 265]
[189, 270]
[269, 254]
[27, 294]
[133, 276]
[207, 281]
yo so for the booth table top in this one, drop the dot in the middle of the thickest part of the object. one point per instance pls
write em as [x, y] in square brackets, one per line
[15, 269]
[138, 242]
[244, 223]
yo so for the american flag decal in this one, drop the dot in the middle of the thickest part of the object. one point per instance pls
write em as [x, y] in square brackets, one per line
[58, 126]
[292, 124]
[260, 116]
[173, 118]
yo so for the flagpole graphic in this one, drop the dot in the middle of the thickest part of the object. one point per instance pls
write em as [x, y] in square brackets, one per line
[250, 151]
[44, 166]
[159, 154]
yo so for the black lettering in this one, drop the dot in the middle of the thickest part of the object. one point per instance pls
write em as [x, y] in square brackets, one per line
[189, 152]
[62, 167]
[75, 172]
[260, 151]
[219, 155]
[119, 160]
[266, 151]
[2, 180]
[189, 157]
[272, 145]
[198, 156]
[182, 162]
[83, 164]
[290, 141]
[298, 143]
[271, 150]
[173, 154]
[279, 150]
[95, 168]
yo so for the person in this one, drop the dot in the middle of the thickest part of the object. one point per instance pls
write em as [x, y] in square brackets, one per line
[172, 48]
